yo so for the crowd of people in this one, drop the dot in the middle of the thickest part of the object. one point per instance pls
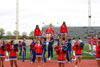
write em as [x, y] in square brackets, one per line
[40, 46]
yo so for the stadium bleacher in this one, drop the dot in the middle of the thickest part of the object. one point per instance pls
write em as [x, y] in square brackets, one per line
[82, 32]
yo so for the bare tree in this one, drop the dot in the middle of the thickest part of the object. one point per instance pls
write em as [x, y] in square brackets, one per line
[2, 32]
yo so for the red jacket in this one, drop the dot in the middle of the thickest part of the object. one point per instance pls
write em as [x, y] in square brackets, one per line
[20, 45]
[97, 41]
[63, 29]
[37, 32]
[38, 49]
[2, 52]
[90, 42]
[49, 30]
[98, 51]
[78, 49]
[61, 54]
[13, 53]
[94, 42]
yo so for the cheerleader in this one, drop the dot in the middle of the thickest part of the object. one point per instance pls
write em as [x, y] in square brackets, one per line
[44, 49]
[13, 54]
[78, 53]
[50, 48]
[2, 54]
[90, 45]
[61, 52]
[63, 31]
[20, 47]
[98, 54]
[37, 32]
[32, 51]
[49, 31]
[24, 49]
[73, 43]
[94, 41]
[69, 49]
[38, 48]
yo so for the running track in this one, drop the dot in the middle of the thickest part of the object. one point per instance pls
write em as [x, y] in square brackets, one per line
[53, 63]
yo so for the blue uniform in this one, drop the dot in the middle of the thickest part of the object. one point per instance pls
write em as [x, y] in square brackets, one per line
[33, 53]
[44, 51]
[58, 43]
[69, 51]
[24, 51]
[50, 48]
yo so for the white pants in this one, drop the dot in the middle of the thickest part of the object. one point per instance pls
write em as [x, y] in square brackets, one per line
[48, 35]
[94, 47]
[90, 47]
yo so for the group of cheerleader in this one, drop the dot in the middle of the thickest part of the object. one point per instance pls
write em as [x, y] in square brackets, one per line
[93, 41]
[38, 48]
[12, 49]
[94, 48]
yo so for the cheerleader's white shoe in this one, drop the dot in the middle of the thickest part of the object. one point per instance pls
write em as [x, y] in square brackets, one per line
[49, 59]
[47, 43]
[75, 65]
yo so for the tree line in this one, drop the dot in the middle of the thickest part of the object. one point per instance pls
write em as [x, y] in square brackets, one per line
[10, 35]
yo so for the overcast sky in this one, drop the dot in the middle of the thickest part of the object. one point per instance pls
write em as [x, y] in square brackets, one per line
[33, 12]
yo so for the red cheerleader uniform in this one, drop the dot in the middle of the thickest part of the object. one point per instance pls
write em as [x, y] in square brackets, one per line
[38, 48]
[37, 32]
[90, 43]
[13, 53]
[98, 52]
[61, 56]
[63, 29]
[2, 52]
[78, 49]
[96, 41]
[49, 31]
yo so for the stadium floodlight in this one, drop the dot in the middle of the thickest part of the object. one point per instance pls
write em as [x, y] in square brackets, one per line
[17, 18]
[89, 13]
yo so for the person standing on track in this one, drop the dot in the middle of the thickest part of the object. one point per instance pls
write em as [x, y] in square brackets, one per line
[90, 45]
[37, 32]
[49, 31]
[94, 41]
[24, 49]
[73, 43]
[98, 53]
[13, 54]
[38, 48]
[50, 48]
[32, 50]
[69, 51]
[20, 47]
[61, 54]
[2, 53]
[44, 50]
[63, 31]
[78, 53]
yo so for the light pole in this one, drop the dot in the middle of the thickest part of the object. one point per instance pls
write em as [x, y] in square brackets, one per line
[89, 16]
[89, 13]
[17, 18]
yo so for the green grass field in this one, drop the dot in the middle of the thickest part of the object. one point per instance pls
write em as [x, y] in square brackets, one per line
[85, 56]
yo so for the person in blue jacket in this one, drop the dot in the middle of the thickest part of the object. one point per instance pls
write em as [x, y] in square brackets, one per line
[44, 49]
[24, 49]
[58, 42]
[50, 48]
[32, 51]
[69, 51]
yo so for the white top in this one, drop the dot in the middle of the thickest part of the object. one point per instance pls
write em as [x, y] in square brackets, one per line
[38, 44]
[73, 42]
[80, 41]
